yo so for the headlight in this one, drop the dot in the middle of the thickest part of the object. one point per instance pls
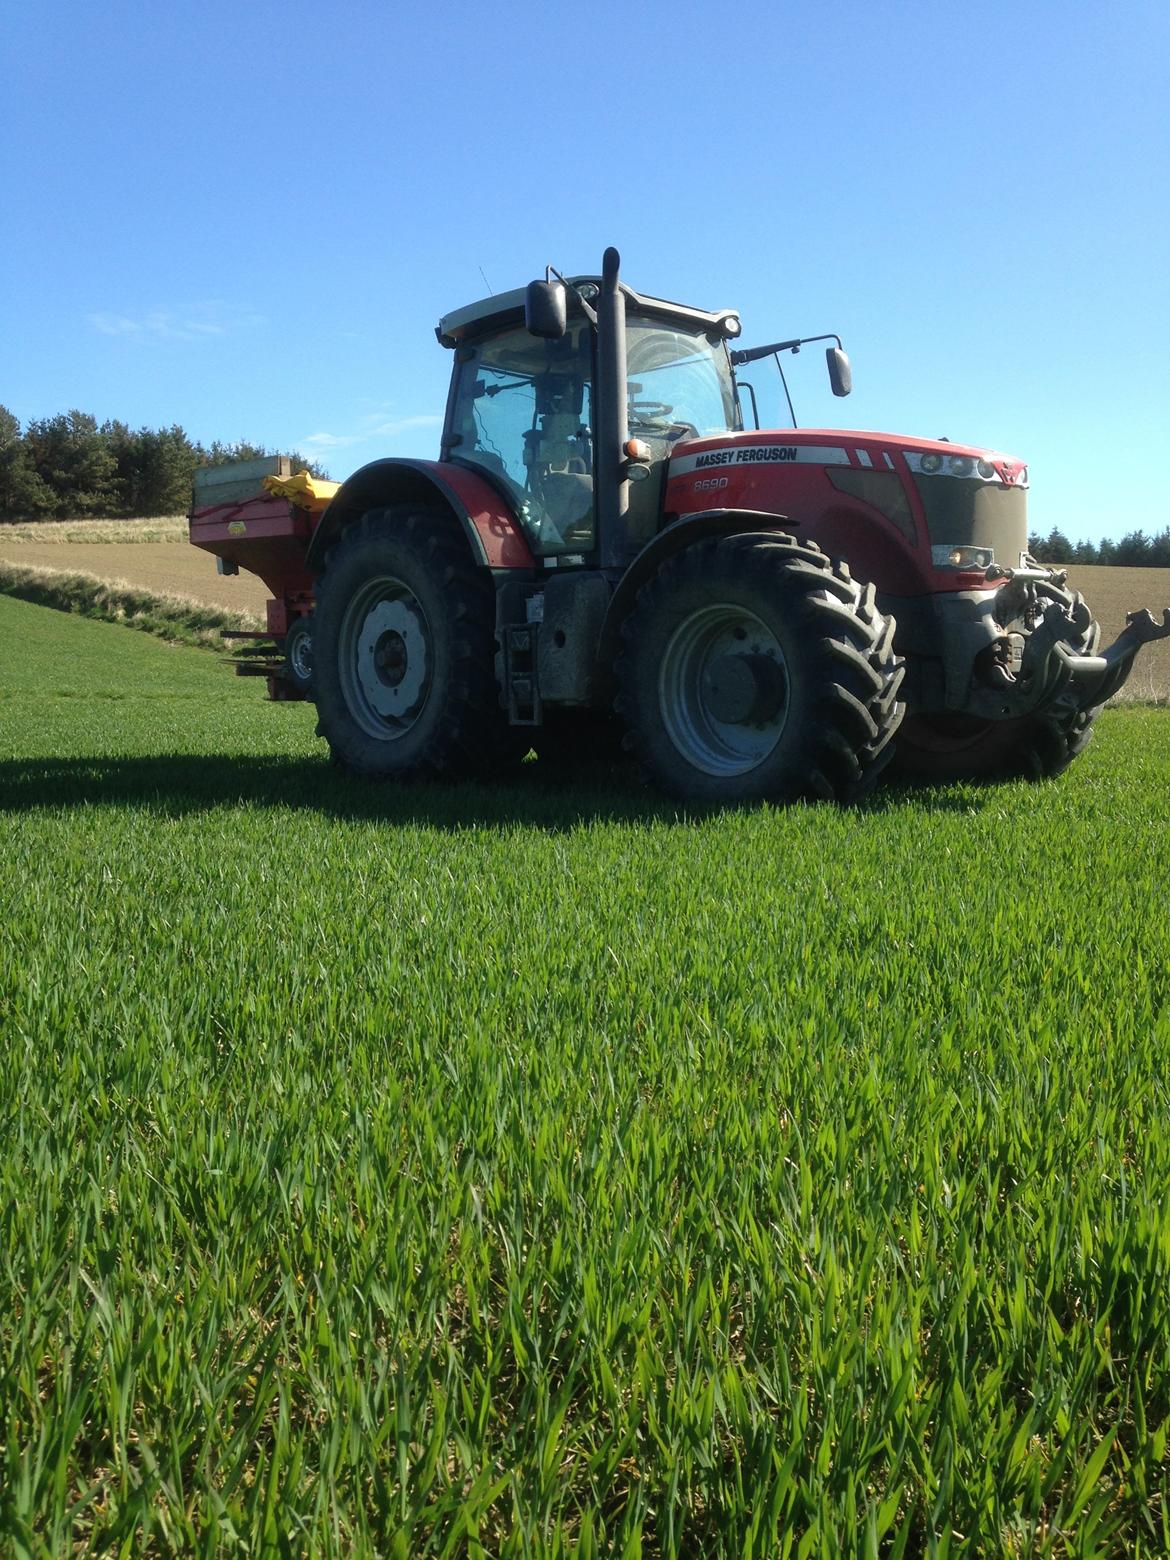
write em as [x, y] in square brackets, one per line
[933, 463]
[945, 556]
[731, 326]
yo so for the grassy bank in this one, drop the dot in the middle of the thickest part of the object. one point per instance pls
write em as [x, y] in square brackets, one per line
[177, 619]
[170, 528]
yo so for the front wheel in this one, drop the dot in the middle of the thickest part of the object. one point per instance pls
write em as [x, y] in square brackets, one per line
[754, 667]
[943, 749]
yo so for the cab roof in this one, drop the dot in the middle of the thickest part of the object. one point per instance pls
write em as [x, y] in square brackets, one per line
[492, 314]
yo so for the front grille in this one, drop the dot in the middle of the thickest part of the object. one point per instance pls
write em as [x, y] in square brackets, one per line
[961, 512]
[881, 489]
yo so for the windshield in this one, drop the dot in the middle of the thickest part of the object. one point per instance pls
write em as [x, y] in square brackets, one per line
[680, 383]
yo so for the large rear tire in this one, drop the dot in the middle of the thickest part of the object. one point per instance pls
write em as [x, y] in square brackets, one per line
[755, 668]
[404, 651]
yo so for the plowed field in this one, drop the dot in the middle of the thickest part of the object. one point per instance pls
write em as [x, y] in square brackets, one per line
[171, 568]
[1112, 593]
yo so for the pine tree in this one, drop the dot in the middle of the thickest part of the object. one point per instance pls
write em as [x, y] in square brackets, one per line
[166, 468]
[73, 457]
[23, 494]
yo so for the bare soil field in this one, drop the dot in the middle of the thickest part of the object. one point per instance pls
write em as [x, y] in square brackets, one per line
[171, 568]
[178, 569]
[1112, 593]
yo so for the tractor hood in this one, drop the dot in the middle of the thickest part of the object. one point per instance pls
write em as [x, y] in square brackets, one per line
[865, 451]
[912, 515]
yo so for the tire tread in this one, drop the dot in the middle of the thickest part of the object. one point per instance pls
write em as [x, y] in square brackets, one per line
[846, 652]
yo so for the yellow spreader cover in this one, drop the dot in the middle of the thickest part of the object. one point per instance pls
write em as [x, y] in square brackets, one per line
[304, 491]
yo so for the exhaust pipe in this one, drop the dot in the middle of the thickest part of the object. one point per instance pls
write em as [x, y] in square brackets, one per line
[612, 492]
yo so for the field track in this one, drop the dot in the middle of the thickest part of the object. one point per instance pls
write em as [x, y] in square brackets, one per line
[176, 568]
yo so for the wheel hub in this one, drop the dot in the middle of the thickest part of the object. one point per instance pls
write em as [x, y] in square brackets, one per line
[743, 689]
[392, 660]
[299, 650]
[723, 689]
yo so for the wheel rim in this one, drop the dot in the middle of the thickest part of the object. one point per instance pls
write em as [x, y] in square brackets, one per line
[385, 658]
[299, 651]
[723, 690]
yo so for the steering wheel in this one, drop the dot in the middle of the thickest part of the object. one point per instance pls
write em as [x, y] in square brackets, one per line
[651, 408]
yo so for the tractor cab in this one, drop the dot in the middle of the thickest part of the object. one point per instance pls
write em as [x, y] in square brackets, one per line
[521, 412]
[524, 409]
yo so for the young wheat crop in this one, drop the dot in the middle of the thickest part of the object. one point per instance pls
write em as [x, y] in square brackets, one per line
[535, 1170]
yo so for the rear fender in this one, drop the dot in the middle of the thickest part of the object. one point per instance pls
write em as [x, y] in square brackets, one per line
[492, 532]
[681, 533]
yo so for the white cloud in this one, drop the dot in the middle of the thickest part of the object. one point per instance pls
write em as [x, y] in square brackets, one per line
[391, 426]
[375, 425]
[196, 322]
[328, 441]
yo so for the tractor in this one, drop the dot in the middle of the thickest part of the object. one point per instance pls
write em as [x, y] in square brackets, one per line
[603, 547]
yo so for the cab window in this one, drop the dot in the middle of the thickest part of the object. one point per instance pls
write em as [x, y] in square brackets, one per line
[680, 383]
[523, 414]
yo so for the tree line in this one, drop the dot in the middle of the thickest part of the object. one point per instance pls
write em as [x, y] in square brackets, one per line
[1135, 550]
[68, 466]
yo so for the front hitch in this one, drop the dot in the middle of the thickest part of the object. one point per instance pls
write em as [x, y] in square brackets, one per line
[1053, 663]
[1096, 678]
[1044, 648]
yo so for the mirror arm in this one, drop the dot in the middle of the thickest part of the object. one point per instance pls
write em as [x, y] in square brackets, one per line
[751, 354]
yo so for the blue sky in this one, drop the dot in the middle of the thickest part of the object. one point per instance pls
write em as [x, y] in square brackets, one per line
[248, 218]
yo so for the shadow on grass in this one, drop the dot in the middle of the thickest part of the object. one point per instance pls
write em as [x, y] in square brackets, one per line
[536, 796]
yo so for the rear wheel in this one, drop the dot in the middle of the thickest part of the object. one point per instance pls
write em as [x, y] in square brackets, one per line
[404, 651]
[754, 667]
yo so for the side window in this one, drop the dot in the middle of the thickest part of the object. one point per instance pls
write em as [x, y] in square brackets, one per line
[523, 412]
[501, 411]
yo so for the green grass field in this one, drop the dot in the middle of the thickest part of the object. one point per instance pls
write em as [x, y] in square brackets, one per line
[531, 1170]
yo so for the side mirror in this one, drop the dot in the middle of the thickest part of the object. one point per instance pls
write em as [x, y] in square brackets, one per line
[840, 373]
[546, 310]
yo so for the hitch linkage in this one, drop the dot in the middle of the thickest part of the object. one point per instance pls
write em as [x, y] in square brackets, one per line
[1094, 678]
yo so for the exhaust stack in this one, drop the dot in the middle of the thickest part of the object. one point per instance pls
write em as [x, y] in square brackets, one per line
[613, 487]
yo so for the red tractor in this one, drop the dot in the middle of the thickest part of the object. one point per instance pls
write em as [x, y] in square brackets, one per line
[767, 614]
